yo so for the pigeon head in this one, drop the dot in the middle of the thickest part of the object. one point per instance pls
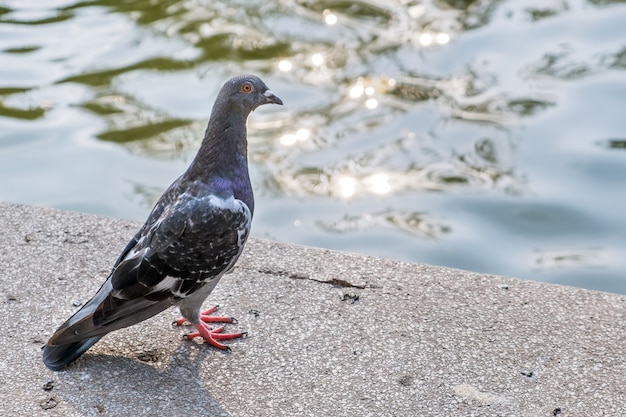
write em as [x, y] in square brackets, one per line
[246, 93]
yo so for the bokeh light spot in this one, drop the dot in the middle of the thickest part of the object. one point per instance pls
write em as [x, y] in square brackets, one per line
[357, 91]
[426, 39]
[347, 186]
[371, 103]
[329, 17]
[379, 183]
[317, 60]
[442, 38]
[290, 139]
[285, 65]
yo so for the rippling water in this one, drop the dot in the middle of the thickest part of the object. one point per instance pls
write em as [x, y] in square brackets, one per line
[485, 135]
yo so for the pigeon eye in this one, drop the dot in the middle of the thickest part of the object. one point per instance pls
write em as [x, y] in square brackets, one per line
[246, 87]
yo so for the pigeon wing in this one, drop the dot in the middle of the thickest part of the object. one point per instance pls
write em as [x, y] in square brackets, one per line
[194, 241]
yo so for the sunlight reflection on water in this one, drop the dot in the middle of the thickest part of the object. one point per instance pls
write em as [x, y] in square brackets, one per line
[481, 135]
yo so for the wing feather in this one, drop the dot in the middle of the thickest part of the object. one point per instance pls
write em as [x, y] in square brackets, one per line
[194, 240]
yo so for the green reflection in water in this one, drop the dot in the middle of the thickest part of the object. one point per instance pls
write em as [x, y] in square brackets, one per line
[29, 114]
[141, 132]
[411, 129]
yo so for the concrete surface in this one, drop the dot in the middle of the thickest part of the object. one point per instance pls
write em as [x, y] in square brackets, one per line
[331, 334]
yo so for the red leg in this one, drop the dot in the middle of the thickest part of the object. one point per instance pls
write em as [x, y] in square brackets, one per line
[211, 336]
[206, 317]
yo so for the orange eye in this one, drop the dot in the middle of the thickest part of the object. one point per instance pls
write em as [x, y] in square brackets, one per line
[246, 87]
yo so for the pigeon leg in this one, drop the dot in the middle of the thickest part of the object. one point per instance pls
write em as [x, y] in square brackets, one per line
[211, 336]
[206, 317]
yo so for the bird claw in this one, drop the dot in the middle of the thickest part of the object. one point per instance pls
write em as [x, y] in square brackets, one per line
[211, 336]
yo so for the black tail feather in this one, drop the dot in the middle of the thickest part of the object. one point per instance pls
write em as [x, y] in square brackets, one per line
[58, 357]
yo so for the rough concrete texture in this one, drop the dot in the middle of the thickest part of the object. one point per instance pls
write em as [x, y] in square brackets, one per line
[330, 334]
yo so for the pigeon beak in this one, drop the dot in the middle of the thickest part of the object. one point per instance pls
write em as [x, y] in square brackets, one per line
[272, 98]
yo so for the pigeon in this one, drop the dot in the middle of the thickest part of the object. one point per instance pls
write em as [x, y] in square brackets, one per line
[192, 237]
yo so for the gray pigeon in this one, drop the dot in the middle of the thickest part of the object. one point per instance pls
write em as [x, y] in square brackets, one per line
[193, 236]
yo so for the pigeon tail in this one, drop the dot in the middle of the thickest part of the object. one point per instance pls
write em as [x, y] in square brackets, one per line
[58, 357]
[86, 327]
[58, 353]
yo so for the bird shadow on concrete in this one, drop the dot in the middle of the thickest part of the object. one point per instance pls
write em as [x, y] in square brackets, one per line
[101, 384]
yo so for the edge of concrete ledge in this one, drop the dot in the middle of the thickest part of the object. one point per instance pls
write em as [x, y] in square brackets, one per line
[331, 333]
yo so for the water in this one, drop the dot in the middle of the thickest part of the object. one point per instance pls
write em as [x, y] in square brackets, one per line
[484, 135]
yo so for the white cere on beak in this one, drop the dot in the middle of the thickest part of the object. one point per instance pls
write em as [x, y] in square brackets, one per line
[271, 97]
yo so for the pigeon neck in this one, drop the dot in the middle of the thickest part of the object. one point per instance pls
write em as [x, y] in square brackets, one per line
[223, 157]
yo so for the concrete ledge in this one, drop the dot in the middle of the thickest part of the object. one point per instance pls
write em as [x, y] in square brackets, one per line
[331, 334]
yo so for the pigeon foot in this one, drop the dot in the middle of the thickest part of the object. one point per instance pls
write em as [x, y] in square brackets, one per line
[211, 336]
